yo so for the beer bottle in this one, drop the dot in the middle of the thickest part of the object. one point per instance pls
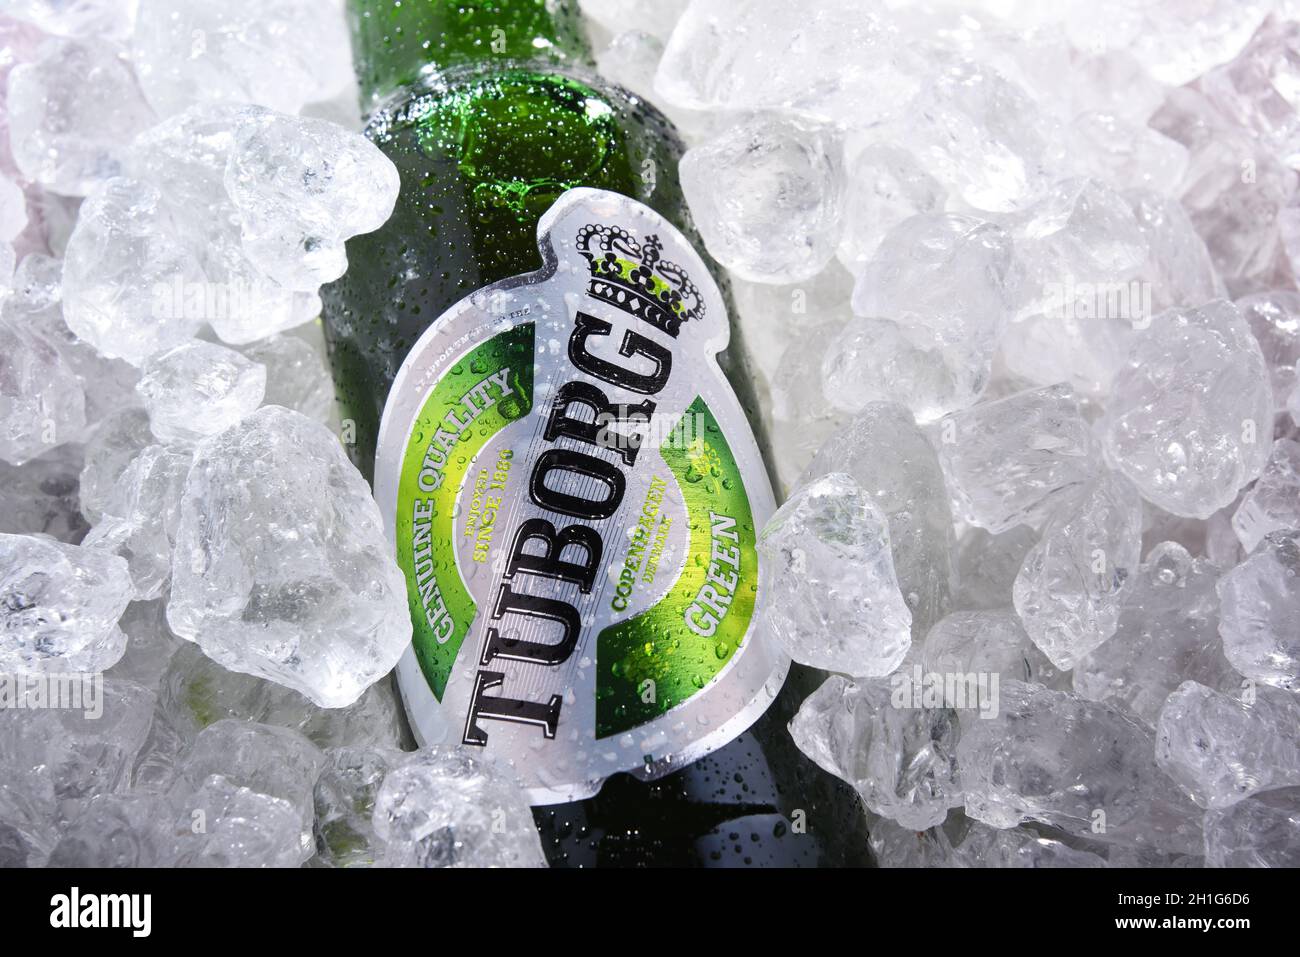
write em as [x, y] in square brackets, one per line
[535, 361]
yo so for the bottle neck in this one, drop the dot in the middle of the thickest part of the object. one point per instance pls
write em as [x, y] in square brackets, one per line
[395, 42]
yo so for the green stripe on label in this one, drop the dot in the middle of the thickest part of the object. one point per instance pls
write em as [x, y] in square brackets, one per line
[664, 655]
[487, 389]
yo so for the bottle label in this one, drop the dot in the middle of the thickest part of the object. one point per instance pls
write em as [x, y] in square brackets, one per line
[574, 494]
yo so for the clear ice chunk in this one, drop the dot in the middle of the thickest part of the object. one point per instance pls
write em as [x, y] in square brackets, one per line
[59, 606]
[442, 807]
[832, 598]
[1012, 461]
[1274, 318]
[141, 521]
[985, 642]
[1191, 418]
[1072, 584]
[901, 760]
[54, 758]
[198, 389]
[42, 404]
[281, 567]
[1272, 504]
[766, 196]
[1167, 633]
[1225, 747]
[71, 114]
[281, 54]
[110, 450]
[886, 185]
[345, 805]
[1083, 767]
[888, 456]
[124, 259]
[1261, 831]
[296, 375]
[302, 187]
[952, 274]
[242, 765]
[1260, 612]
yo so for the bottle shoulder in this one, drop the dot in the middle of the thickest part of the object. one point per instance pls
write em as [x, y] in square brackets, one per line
[468, 87]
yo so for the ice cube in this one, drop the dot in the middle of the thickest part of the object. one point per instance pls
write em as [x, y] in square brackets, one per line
[1012, 461]
[985, 643]
[766, 197]
[60, 606]
[345, 803]
[950, 273]
[1236, 194]
[1261, 831]
[1273, 503]
[442, 807]
[900, 759]
[196, 691]
[281, 54]
[961, 842]
[235, 762]
[141, 520]
[1083, 767]
[78, 18]
[802, 419]
[1274, 318]
[1078, 239]
[1167, 633]
[879, 360]
[886, 185]
[37, 304]
[1191, 418]
[837, 61]
[124, 261]
[1178, 270]
[186, 157]
[1125, 154]
[832, 598]
[1222, 748]
[42, 404]
[302, 187]
[1071, 586]
[110, 450]
[982, 137]
[1260, 613]
[119, 830]
[1179, 42]
[198, 389]
[71, 114]
[888, 456]
[55, 758]
[281, 568]
[1258, 89]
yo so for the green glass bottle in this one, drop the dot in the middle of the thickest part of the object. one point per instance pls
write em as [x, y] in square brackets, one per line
[492, 112]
